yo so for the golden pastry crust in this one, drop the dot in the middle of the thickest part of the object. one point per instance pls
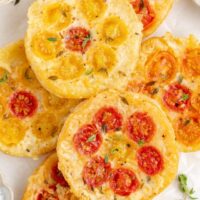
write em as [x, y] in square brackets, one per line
[66, 59]
[71, 162]
[42, 179]
[22, 135]
[170, 62]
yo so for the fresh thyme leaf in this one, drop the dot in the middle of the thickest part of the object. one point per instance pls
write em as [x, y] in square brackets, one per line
[124, 100]
[27, 73]
[53, 78]
[16, 2]
[88, 71]
[185, 97]
[4, 78]
[140, 142]
[91, 138]
[180, 79]
[52, 39]
[103, 70]
[187, 121]
[151, 83]
[182, 178]
[155, 91]
[106, 158]
[114, 150]
[86, 40]
[104, 128]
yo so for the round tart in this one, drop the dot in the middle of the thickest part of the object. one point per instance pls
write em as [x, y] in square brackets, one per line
[114, 146]
[30, 117]
[78, 48]
[48, 183]
[169, 71]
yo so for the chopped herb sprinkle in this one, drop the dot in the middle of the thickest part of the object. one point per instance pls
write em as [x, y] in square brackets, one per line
[52, 39]
[106, 158]
[91, 138]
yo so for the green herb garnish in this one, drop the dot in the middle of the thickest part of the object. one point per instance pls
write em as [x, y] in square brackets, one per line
[91, 138]
[4, 78]
[185, 97]
[52, 39]
[182, 178]
[180, 79]
[104, 128]
[27, 73]
[155, 91]
[124, 100]
[187, 121]
[140, 142]
[106, 158]
[103, 70]
[86, 40]
[114, 150]
[53, 78]
[88, 71]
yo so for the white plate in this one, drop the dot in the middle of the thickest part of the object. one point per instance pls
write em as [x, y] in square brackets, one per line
[182, 21]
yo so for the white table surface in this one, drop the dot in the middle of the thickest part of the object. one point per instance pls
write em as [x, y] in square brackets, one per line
[183, 20]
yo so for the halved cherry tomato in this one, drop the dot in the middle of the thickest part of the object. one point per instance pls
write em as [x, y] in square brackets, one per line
[144, 8]
[96, 172]
[188, 129]
[48, 194]
[108, 119]
[177, 97]
[123, 181]
[191, 62]
[161, 67]
[87, 140]
[23, 104]
[57, 176]
[150, 160]
[140, 127]
[78, 39]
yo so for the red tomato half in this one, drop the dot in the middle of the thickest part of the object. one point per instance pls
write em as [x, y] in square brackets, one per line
[57, 176]
[123, 181]
[150, 160]
[23, 104]
[48, 194]
[78, 39]
[140, 127]
[87, 140]
[177, 97]
[108, 119]
[144, 8]
[96, 172]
